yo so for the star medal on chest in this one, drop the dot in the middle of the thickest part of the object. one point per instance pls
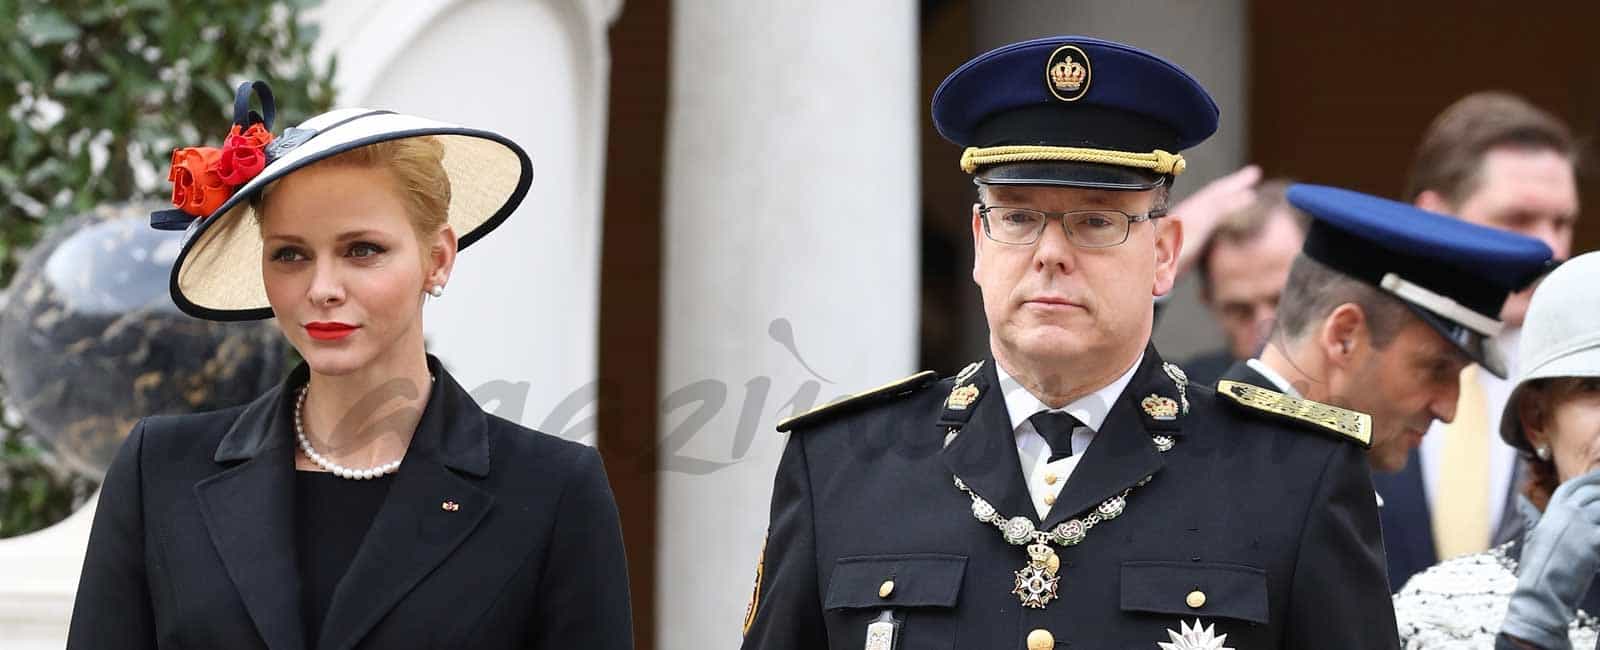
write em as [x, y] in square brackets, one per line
[1198, 637]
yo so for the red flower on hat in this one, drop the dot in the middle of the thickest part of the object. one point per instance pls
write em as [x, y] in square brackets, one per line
[196, 187]
[243, 154]
[204, 177]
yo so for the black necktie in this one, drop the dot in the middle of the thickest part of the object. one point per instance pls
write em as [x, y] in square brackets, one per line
[1056, 427]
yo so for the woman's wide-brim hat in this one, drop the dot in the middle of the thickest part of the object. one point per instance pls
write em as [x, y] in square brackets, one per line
[217, 275]
[1559, 336]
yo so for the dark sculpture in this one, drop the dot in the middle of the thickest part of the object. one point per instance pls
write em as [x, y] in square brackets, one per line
[90, 340]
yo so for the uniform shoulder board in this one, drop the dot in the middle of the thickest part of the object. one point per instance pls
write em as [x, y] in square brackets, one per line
[1352, 425]
[851, 403]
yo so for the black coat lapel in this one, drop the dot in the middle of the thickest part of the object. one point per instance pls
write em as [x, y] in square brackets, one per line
[1122, 453]
[415, 529]
[984, 452]
[248, 513]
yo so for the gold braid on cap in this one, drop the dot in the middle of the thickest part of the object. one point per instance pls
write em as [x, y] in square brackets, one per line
[1157, 161]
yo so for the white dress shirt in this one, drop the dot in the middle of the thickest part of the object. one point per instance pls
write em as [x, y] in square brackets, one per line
[1272, 375]
[1502, 457]
[1045, 478]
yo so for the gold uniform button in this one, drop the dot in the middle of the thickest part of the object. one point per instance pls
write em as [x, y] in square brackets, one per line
[885, 589]
[1050, 479]
[1041, 640]
[1049, 499]
[1196, 599]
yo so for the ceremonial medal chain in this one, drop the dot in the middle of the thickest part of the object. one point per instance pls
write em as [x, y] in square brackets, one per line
[1039, 581]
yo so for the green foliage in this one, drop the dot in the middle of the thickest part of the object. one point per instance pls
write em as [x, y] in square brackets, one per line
[34, 492]
[96, 94]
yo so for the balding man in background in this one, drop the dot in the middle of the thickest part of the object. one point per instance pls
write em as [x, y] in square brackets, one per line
[1243, 266]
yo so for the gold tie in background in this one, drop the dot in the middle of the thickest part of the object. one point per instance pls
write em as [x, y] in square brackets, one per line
[1461, 502]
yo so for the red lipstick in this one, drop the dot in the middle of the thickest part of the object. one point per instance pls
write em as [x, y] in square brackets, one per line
[329, 331]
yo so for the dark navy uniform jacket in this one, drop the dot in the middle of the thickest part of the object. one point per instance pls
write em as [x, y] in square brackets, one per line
[1407, 529]
[1273, 522]
[1404, 518]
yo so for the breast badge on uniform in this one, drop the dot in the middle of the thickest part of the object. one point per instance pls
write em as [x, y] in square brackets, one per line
[882, 632]
[1197, 637]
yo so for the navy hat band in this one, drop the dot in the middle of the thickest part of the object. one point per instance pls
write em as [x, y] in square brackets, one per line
[1353, 256]
[1075, 125]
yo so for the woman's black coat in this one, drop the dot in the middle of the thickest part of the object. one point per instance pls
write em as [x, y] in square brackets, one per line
[193, 542]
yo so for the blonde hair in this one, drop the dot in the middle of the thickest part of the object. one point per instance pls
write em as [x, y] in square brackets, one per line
[417, 166]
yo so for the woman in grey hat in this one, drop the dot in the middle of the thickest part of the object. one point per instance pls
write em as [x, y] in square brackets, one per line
[1540, 586]
[367, 501]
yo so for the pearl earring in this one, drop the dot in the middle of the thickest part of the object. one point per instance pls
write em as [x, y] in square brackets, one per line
[437, 291]
[1543, 452]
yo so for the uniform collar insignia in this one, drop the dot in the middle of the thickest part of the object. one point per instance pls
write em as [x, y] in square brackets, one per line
[961, 397]
[1160, 408]
[1165, 390]
[968, 387]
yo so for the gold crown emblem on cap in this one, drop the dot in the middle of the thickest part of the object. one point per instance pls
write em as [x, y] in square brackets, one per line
[1067, 75]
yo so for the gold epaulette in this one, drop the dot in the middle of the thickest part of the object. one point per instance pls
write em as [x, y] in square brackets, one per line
[1353, 425]
[852, 402]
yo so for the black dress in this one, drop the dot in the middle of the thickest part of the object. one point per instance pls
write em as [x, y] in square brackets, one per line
[332, 515]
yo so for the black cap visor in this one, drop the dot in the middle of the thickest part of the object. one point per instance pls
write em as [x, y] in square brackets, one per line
[1481, 349]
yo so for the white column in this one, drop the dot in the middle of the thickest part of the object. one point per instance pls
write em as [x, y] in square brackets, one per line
[40, 572]
[791, 215]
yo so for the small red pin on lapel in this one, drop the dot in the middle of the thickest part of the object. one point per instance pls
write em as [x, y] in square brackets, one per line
[450, 506]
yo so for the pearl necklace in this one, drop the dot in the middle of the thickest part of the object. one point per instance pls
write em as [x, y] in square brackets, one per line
[322, 461]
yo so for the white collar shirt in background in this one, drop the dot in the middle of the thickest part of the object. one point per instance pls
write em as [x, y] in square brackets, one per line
[1272, 375]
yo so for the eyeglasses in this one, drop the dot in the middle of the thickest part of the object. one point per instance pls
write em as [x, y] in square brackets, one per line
[1085, 228]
